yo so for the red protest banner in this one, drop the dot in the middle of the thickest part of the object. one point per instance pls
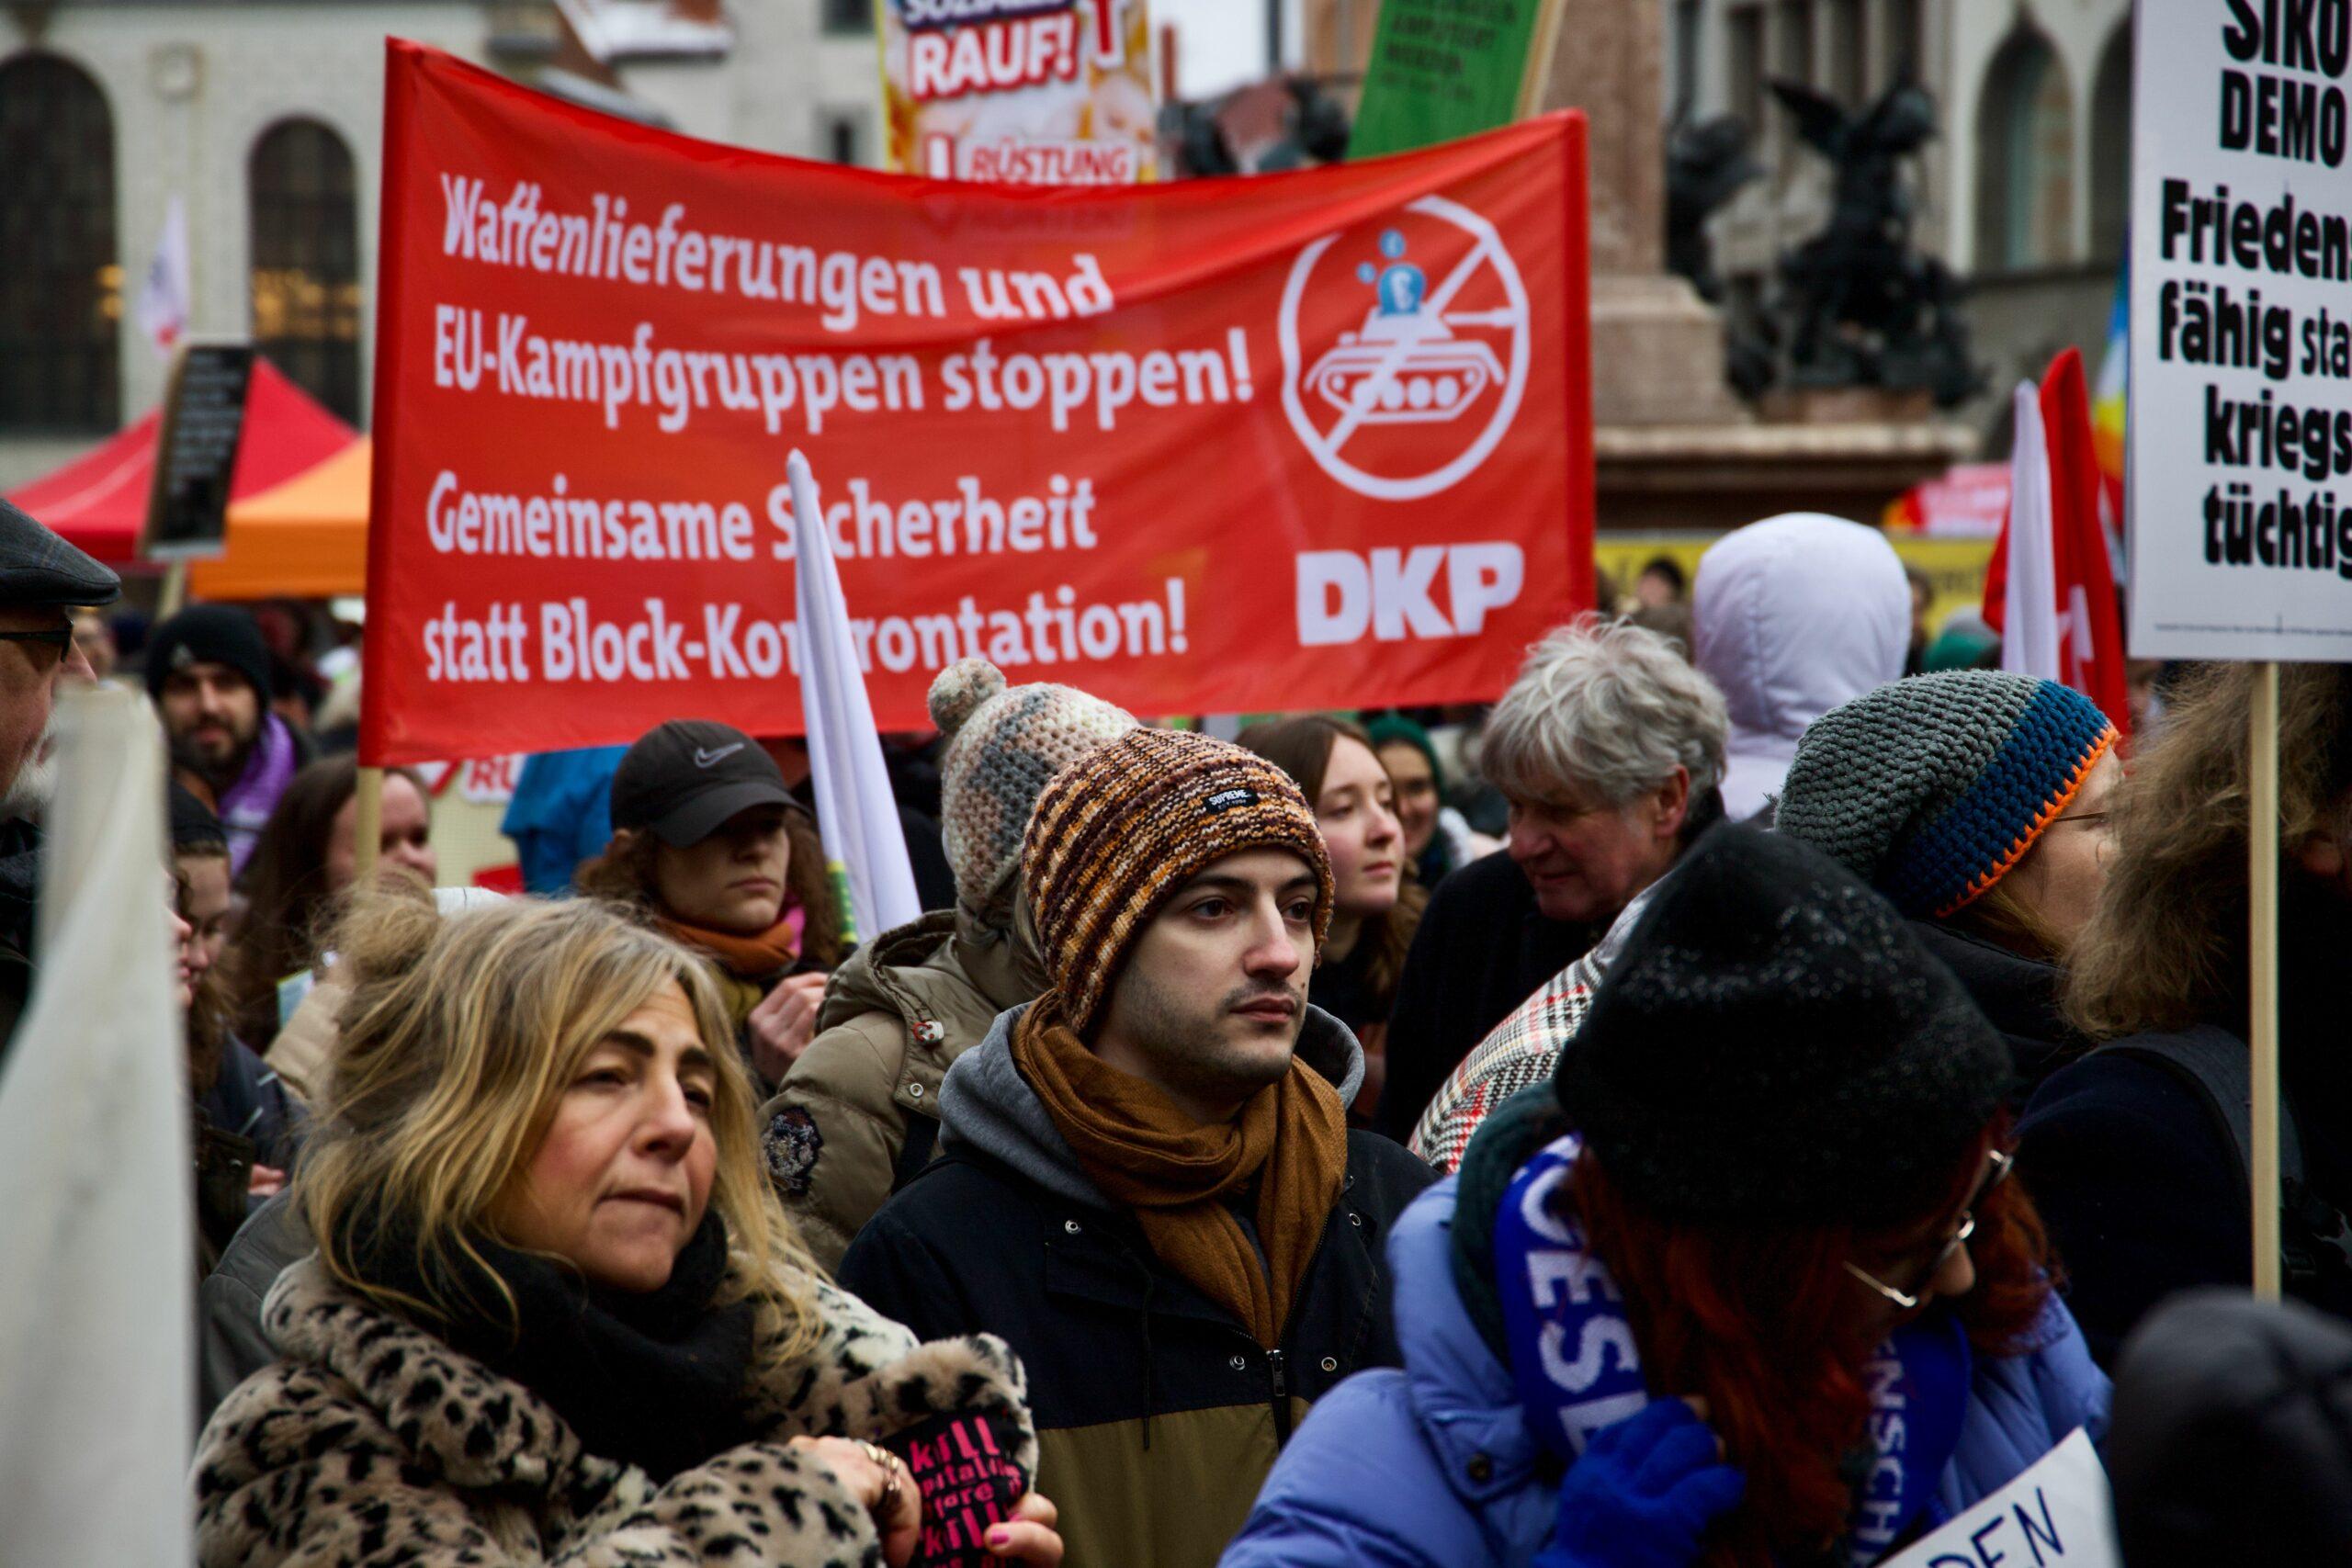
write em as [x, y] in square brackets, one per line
[1303, 440]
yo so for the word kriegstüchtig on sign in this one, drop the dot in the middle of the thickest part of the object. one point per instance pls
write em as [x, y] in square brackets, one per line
[2240, 471]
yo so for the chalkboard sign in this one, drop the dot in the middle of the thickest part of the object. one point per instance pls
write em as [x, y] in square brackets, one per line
[196, 451]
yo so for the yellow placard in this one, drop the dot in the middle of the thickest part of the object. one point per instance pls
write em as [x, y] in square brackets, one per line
[1955, 567]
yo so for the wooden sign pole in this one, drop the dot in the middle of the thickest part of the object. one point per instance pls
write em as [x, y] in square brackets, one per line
[369, 829]
[2262, 895]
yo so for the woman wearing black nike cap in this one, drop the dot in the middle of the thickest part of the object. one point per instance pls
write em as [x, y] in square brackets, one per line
[714, 851]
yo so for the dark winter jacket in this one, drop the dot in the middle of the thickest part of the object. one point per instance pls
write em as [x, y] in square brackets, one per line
[2019, 994]
[896, 1013]
[247, 1100]
[229, 1344]
[1482, 949]
[2233, 1435]
[1158, 1413]
[372, 1442]
[2141, 1187]
[19, 894]
[221, 1177]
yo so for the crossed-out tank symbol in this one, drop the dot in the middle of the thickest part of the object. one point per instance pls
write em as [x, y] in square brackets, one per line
[1405, 366]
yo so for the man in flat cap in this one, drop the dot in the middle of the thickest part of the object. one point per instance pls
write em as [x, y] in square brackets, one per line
[42, 580]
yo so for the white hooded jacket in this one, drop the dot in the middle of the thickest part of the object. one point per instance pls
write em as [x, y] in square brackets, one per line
[1795, 614]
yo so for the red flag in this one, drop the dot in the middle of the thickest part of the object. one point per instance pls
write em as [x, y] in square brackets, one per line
[2090, 627]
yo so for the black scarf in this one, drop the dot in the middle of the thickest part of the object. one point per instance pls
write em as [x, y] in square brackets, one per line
[21, 856]
[654, 1378]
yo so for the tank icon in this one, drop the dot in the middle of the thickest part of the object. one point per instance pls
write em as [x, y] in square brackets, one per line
[1405, 365]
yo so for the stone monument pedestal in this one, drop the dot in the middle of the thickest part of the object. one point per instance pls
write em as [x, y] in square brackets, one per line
[1721, 476]
[1673, 447]
[1657, 354]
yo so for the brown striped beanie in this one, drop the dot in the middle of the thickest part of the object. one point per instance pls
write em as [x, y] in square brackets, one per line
[1117, 832]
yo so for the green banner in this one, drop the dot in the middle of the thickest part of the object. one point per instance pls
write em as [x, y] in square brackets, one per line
[1446, 68]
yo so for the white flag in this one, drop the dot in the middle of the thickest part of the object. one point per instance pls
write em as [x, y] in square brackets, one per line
[97, 1307]
[2030, 604]
[866, 850]
[163, 298]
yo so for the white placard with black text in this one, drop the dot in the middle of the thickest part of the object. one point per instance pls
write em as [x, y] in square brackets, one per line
[2239, 486]
[2056, 1515]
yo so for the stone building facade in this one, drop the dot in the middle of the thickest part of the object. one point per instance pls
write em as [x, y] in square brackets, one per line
[265, 117]
[2024, 193]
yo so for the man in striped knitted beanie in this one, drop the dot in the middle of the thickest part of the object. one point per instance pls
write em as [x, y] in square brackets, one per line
[857, 1114]
[1158, 1143]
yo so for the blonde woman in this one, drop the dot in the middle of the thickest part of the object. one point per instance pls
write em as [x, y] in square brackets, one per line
[556, 1313]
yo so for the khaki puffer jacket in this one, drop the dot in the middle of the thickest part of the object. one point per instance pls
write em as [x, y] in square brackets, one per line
[895, 1016]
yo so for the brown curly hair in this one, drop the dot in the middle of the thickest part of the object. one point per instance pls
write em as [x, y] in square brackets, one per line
[2167, 945]
[624, 875]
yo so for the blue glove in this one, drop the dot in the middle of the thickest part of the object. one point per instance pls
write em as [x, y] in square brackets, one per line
[1643, 1495]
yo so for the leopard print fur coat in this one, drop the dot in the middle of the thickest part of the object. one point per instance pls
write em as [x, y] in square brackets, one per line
[371, 1443]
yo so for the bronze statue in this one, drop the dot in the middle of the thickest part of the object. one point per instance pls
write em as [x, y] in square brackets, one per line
[1705, 165]
[1861, 306]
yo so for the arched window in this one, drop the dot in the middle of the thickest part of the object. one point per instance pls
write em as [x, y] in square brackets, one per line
[2111, 146]
[306, 261]
[2025, 184]
[60, 284]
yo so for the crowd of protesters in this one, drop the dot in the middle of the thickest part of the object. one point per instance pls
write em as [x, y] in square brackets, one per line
[1735, 1101]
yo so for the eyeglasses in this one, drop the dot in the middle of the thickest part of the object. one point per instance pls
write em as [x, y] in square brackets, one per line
[58, 637]
[1998, 1168]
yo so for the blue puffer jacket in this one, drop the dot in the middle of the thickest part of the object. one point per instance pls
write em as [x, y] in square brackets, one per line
[1433, 1467]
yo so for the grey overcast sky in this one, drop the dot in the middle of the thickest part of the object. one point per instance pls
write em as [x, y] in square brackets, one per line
[1221, 43]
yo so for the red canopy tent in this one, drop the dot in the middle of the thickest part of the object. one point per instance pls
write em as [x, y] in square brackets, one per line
[99, 500]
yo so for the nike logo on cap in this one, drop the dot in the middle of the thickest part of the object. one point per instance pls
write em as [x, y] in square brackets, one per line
[704, 759]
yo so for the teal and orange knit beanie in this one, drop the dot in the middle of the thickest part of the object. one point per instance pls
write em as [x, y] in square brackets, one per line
[1930, 789]
[1119, 832]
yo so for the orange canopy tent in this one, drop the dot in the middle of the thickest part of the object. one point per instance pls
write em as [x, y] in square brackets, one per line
[99, 500]
[304, 539]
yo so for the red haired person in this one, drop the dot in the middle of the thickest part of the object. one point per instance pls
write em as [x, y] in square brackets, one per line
[1746, 1285]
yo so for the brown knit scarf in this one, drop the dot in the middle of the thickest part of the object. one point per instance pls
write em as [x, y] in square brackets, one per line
[746, 964]
[1144, 1153]
[761, 957]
